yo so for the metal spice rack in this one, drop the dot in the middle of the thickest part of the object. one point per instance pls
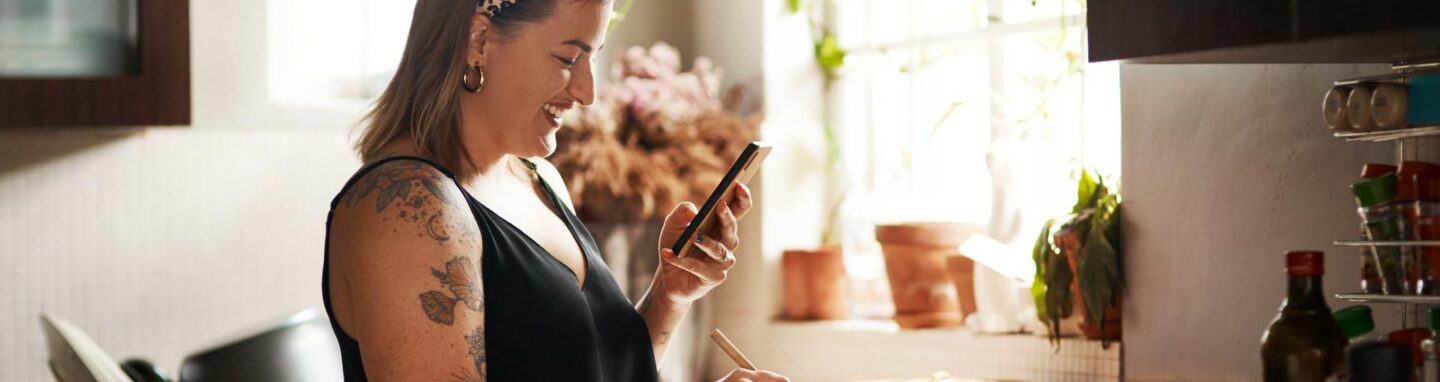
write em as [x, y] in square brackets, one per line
[1411, 306]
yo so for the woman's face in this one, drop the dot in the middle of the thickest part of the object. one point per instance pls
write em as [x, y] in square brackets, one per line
[535, 75]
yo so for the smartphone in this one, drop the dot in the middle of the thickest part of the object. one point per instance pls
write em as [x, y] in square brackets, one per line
[740, 172]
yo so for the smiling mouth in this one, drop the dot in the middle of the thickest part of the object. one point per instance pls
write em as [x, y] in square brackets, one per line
[554, 112]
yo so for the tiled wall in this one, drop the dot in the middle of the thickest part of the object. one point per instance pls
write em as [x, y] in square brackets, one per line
[159, 242]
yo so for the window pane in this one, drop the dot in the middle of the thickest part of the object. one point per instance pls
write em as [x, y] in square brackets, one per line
[1017, 11]
[925, 112]
[881, 22]
[1047, 134]
[68, 38]
[943, 17]
[352, 54]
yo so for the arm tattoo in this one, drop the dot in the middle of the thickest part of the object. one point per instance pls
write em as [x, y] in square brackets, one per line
[477, 349]
[408, 186]
[461, 278]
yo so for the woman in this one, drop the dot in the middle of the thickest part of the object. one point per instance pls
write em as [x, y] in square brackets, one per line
[450, 256]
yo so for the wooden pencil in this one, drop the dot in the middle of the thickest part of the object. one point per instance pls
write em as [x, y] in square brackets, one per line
[731, 350]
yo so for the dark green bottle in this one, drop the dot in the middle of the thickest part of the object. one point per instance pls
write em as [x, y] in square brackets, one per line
[1304, 342]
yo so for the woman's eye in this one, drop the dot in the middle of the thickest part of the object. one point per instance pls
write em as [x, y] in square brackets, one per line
[566, 62]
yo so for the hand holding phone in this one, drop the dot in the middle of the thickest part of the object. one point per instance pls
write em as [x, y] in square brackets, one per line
[740, 172]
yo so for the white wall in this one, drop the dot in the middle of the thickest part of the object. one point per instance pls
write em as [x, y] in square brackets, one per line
[1226, 168]
[161, 241]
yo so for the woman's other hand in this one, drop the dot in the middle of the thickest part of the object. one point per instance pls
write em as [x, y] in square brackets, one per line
[684, 280]
[742, 375]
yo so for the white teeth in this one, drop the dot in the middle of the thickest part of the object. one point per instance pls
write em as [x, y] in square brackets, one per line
[554, 111]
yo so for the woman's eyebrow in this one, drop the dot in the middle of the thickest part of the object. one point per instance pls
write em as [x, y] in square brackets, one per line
[582, 45]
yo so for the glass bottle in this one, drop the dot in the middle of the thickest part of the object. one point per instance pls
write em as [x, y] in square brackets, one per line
[1304, 342]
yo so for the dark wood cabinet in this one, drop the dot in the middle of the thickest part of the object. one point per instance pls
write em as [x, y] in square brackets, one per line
[157, 92]
[1264, 31]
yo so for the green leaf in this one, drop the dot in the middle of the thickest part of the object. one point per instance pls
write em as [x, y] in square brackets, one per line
[829, 54]
[945, 116]
[796, 5]
[1099, 272]
[619, 15]
[1041, 254]
[832, 143]
[1086, 191]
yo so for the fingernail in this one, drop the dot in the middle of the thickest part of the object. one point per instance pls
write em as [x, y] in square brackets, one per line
[667, 253]
[699, 238]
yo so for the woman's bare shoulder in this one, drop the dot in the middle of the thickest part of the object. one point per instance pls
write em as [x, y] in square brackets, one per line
[405, 242]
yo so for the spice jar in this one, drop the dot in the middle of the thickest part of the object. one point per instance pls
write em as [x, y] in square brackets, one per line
[1384, 222]
[1369, 271]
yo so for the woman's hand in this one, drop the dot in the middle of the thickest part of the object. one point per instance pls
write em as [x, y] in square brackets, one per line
[742, 375]
[684, 280]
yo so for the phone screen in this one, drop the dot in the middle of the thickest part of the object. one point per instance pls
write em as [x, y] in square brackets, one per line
[740, 172]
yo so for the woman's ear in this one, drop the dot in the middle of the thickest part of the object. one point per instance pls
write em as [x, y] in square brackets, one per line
[481, 34]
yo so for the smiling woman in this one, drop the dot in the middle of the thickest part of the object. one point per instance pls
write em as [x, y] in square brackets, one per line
[454, 252]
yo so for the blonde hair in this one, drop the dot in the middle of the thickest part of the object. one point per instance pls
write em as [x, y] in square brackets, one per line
[422, 99]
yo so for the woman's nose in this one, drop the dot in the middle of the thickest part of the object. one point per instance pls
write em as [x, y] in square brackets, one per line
[582, 84]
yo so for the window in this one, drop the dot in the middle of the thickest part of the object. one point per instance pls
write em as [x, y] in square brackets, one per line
[979, 111]
[328, 50]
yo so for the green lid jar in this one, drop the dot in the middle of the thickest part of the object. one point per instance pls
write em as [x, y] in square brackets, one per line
[1374, 192]
[1356, 320]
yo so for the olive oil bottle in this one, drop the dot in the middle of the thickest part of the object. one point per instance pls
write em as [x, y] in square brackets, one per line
[1304, 342]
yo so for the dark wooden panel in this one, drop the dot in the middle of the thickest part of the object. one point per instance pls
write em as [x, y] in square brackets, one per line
[158, 95]
[1262, 30]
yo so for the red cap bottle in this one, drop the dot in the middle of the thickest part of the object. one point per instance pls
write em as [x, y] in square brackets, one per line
[1305, 263]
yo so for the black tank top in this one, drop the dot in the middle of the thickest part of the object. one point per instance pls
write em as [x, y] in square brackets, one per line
[540, 324]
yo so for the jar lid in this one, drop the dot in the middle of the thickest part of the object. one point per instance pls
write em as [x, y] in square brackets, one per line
[1357, 320]
[1409, 170]
[1375, 170]
[1374, 192]
[1305, 263]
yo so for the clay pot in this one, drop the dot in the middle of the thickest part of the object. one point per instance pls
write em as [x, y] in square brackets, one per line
[915, 253]
[962, 273]
[814, 282]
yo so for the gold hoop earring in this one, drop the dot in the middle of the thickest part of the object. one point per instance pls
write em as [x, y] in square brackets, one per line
[480, 81]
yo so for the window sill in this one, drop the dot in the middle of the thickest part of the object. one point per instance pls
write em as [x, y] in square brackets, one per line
[852, 350]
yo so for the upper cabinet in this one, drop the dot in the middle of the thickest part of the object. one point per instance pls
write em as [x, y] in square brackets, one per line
[94, 63]
[1264, 31]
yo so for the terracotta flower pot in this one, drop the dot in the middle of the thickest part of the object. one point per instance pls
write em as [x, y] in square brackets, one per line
[962, 273]
[915, 254]
[814, 282]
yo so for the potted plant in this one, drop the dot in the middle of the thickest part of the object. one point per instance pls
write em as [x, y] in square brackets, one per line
[814, 279]
[916, 254]
[1077, 264]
